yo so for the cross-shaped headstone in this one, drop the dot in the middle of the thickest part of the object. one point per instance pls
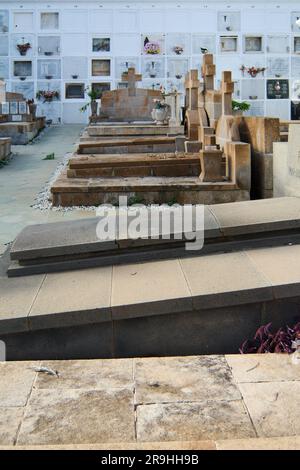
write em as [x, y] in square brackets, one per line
[208, 71]
[2, 91]
[227, 90]
[131, 77]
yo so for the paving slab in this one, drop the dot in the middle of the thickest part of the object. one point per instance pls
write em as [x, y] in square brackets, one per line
[281, 267]
[272, 443]
[70, 298]
[78, 416]
[273, 407]
[260, 215]
[16, 299]
[193, 421]
[174, 445]
[149, 288]
[10, 421]
[87, 374]
[224, 279]
[263, 368]
[16, 383]
[190, 379]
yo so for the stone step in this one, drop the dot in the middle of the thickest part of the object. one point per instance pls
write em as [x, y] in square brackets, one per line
[71, 245]
[169, 164]
[133, 130]
[129, 145]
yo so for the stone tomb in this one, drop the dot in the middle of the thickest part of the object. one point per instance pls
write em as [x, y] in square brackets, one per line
[128, 104]
[16, 121]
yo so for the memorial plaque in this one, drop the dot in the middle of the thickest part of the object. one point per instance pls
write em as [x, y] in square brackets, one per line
[49, 69]
[278, 67]
[4, 22]
[153, 68]
[277, 89]
[297, 45]
[101, 68]
[4, 68]
[5, 108]
[228, 44]
[22, 107]
[25, 88]
[295, 67]
[75, 90]
[4, 45]
[101, 44]
[296, 90]
[278, 44]
[13, 107]
[49, 21]
[202, 42]
[178, 44]
[294, 18]
[17, 118]
[177, 68]
[229, 21]
[153, 44]
[295, 110]
[99, 88]
[122, 65]
[48, 45]
[22, 68]
[253, 44]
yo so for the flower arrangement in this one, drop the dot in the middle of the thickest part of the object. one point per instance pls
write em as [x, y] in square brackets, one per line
[240, 106]
[23, 48]
[252, 71]
[178, 50]
[47, 95]
[160, 104]
[151, 47]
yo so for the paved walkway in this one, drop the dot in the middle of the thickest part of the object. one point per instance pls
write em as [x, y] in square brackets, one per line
[200, 402]
[26, 175]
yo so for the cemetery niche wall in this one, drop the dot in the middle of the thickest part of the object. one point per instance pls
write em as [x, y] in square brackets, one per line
[18, 120]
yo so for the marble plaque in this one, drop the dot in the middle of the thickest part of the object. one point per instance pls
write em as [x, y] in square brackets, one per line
[228, 44]
[153, 68]
[296, 90]
[100, 87]
[297, 44]
[177, 68]
[25, 88]
[178, 44]
[101, 68]
[278, 67]
[48, 45]
[294, 150]
[278, 44]
[153, 44]
[4, 68]
[295, 110]
[16, 118]
[294, 17]
[13, 107]
[229, 21]
[49, 20]
[277, 89]
[75, 90]
[49, 69]
[16, 39]
[122, 65]
[295, 67]
[22, 68]
[5, 108]
[4, 21]
[257, 109]
[253, 44]
[4, 45]
[202, 42]
[22, 107]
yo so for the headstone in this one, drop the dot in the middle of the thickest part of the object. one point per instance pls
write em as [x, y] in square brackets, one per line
[2, 91]
[227, 90]
[131, 78]
[294, 150]
[173, 99]
[208, 71]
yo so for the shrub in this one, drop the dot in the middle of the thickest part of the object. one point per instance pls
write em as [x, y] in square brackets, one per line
[266, 341]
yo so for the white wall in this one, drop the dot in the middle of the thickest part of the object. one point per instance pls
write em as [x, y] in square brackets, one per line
[190, 24]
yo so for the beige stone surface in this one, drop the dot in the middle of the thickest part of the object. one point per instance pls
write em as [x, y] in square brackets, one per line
[87, 374]
[274, 407]
[272, 443]
[74, 291]
[17, 379]
[78, 416]
[193, 421]
[10, 420]
[286, 268]
[263, 368]
[17, 296]
[152, 284]
[164, 380]
[174, 445]
[223, 273]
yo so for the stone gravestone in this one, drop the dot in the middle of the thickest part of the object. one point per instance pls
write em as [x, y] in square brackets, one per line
[129, 104]
[294, 151]
[2, 91]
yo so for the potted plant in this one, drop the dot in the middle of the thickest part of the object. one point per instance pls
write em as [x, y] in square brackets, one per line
[252, 71]
[47, 95]
[161, 112]
[23, 48]
[239, 107]
[93, 95]
[151, 47]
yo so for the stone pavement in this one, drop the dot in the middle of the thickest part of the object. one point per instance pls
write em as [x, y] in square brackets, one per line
[199, 402]
[26, 175]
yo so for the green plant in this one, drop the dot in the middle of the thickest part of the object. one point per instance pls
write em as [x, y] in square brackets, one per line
[50, 156]
[135, 200]
[93, 95]
[240, 105]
